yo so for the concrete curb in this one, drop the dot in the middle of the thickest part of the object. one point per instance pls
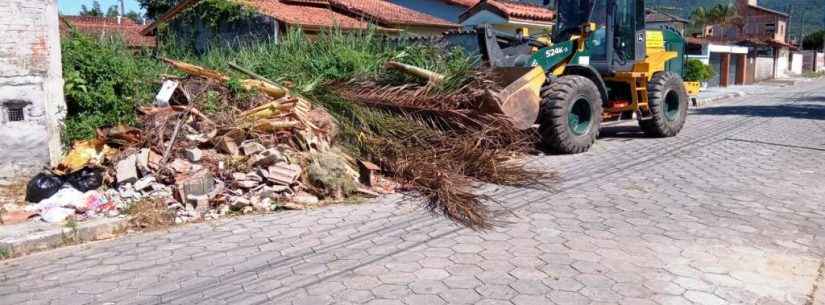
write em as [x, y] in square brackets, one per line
[33, 236]
[702, 102]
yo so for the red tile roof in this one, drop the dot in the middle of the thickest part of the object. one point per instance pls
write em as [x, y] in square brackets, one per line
[346, 14]
[305, 15]
[99, 21]
[524, 11]
[512, 10]
[385, 12]
[108, 26]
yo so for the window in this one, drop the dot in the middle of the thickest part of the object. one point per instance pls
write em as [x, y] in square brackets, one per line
[770, 28]
[16, 114]
[13, 111]
[625, 27]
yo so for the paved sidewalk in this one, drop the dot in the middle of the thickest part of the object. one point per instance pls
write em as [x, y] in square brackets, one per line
[732, 211]
[714, 94]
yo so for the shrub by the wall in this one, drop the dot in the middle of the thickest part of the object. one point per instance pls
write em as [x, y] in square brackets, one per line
[105, 82]
[697, 71]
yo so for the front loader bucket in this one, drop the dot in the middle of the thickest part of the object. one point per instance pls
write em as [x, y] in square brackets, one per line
[518, 96]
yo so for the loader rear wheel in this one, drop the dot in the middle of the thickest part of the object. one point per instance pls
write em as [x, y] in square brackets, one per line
[571, 113]
[668, 102]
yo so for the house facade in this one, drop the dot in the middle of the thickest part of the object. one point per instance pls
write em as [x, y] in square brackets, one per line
[509, 16]
[449, 10]
[270, 19]
[761, 23]
[657, 19]
[504, 15]
[765, 32]
[729, 61]
[31, 87]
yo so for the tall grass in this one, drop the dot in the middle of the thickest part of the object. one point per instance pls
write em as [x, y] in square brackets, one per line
[309, 64]
[309, 61]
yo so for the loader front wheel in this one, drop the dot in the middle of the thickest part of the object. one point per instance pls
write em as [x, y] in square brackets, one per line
[571, 113]
[668, 102]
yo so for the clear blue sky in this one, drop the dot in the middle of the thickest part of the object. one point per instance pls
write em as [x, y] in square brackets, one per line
[72, 7]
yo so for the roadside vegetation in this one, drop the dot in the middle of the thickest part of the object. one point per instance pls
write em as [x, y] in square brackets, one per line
[697, 71]
[422, 148]
[105, 82]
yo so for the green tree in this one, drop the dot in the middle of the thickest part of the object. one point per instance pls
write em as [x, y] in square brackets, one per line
[156, 8]
[95, 11]
[113, 11]
[723, 15]
[814, 40]
[700, 17]
[135, 16]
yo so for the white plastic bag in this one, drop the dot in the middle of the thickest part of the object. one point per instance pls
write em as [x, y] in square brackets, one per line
[56, 214]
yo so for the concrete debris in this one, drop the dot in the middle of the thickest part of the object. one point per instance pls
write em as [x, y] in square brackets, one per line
[247, 180]
[367, 192]
[266, 158]
[199, 183]
[144, 183]
[194, 154]
[264, 204]
[251, 148]
[368, 172]
[126, 170]
[227, 145]
[239, 202]
[198, 138]
[282, 173]
[165, 93]
[243, 159]
[142, 161]
[305, 199]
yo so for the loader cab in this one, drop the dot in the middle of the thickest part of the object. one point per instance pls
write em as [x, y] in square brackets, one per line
[619, 39]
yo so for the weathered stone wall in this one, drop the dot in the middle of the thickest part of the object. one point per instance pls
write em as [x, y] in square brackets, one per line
[31, 86]
[193, 32]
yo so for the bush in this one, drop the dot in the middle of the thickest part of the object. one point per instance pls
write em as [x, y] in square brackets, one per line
[697, 71]
[814, 40]
[105, 82]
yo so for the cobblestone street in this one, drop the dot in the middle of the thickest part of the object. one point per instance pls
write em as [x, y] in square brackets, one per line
[732, 211]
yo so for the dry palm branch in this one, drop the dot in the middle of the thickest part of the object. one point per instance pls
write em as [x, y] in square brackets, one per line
[451, 145]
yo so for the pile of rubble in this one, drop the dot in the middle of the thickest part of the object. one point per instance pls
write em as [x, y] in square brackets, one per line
[204, 155]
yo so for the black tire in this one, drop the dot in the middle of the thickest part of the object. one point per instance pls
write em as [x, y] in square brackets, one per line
[566, 96]
[666, 91]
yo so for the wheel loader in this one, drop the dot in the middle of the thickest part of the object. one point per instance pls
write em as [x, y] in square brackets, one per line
[599, 64]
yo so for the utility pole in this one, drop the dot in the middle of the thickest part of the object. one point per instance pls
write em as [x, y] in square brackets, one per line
[120, 13]
[790, 19]
[804, 29]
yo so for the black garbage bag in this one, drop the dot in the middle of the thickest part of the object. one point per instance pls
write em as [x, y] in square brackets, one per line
[43, 186]
[86, 179]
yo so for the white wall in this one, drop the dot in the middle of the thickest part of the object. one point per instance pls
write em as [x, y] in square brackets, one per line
[782, 64]
[31, 74]
[705, 59]
[764, 68]
[796, 63]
